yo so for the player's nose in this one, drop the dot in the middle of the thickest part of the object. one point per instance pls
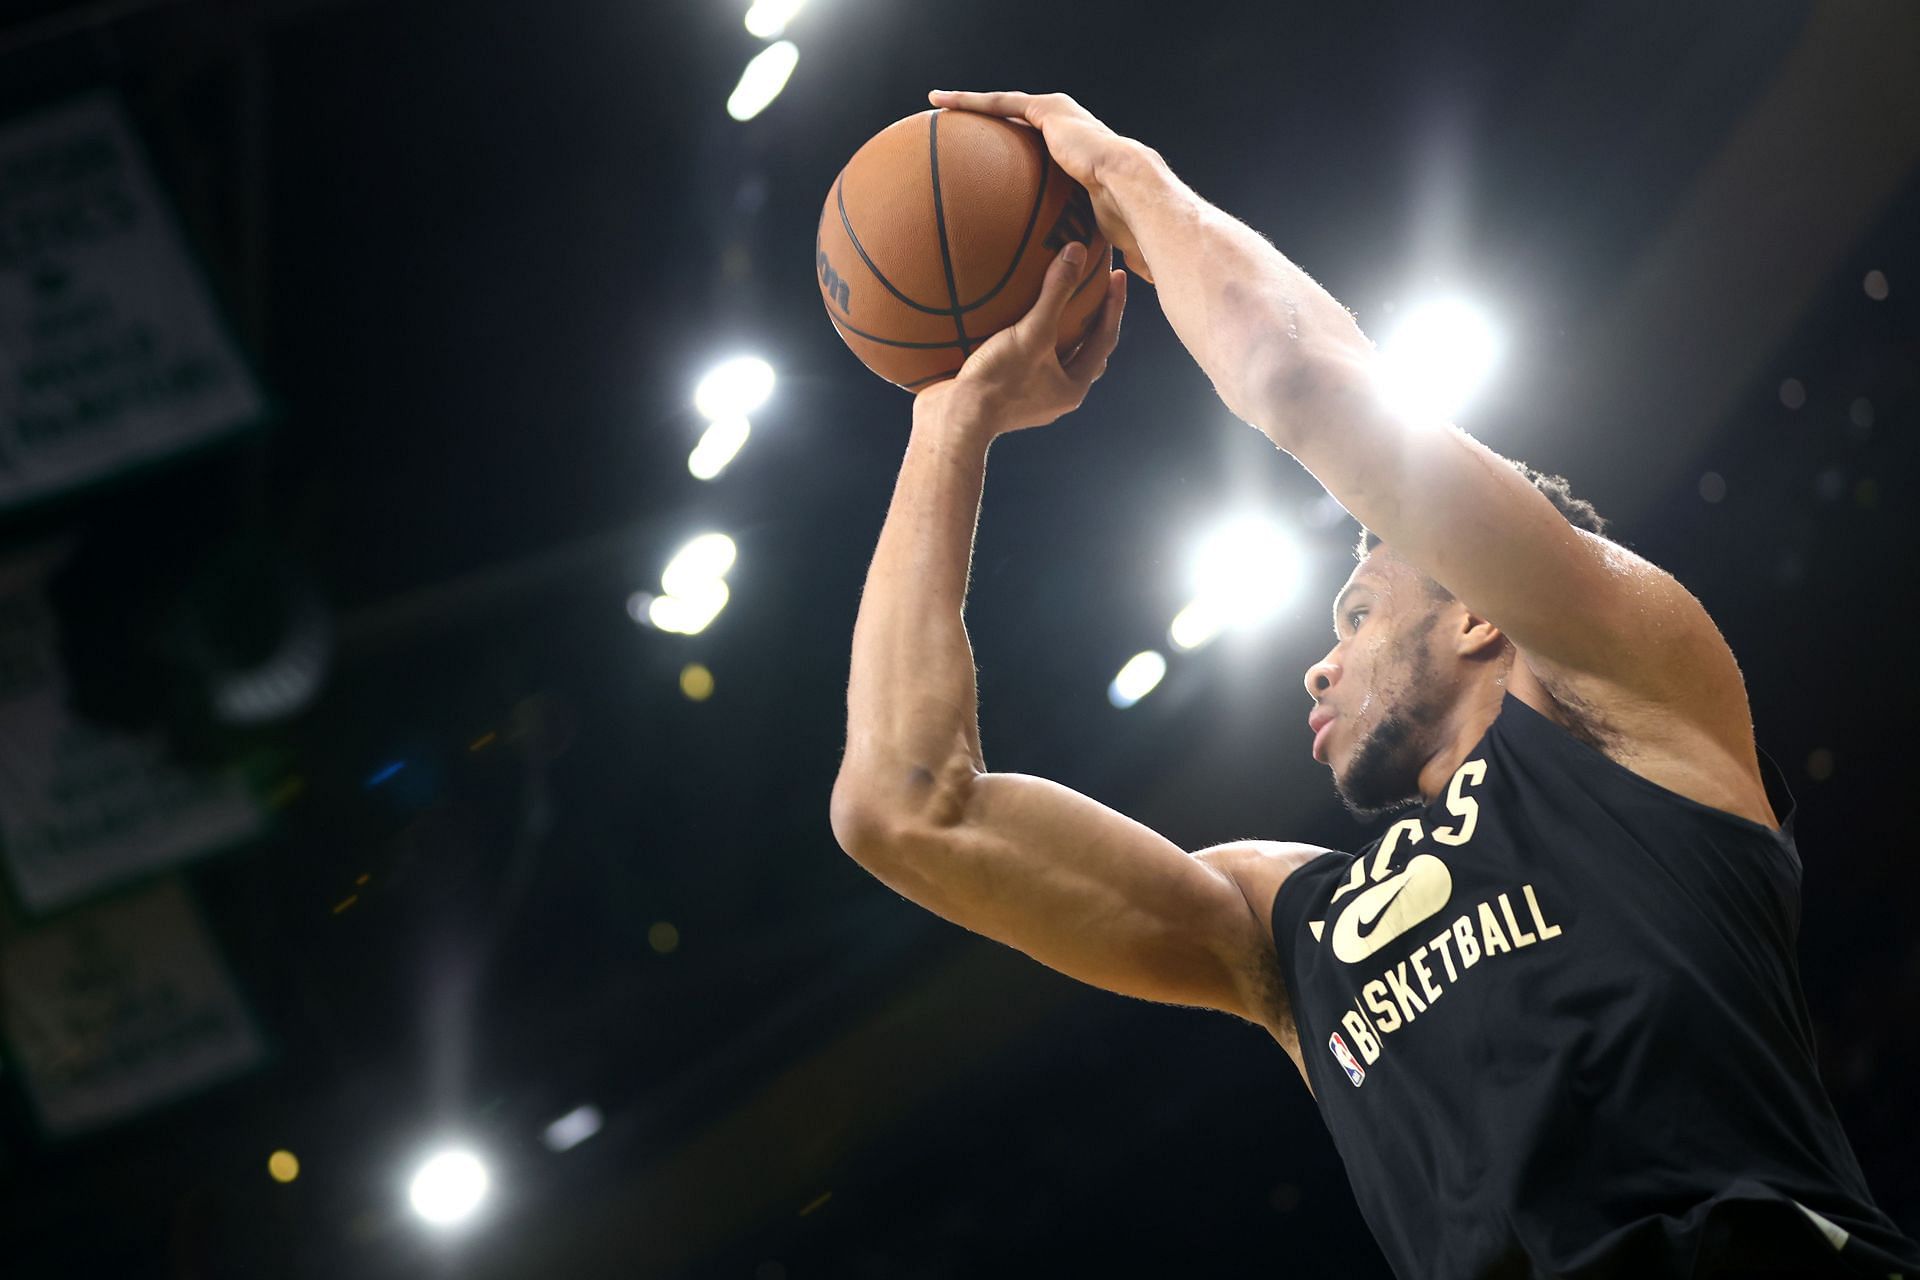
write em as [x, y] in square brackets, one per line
[1321, 677]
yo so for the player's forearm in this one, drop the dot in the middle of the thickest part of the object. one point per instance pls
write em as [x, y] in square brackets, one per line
[912, 732]
[1278, 347]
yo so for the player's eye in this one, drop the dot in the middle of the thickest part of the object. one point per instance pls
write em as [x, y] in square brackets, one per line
[1353, 619]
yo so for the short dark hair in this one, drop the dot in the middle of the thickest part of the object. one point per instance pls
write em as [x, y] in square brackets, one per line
[1578, 511]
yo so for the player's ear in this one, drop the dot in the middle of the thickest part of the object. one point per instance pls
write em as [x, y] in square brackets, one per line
[1476, 637]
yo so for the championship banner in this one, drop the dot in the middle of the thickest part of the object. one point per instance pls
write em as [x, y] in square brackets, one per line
[84, 808]
[120, 1007]
[112, 353]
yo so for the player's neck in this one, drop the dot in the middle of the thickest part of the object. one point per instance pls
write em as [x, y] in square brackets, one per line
[1472, 714]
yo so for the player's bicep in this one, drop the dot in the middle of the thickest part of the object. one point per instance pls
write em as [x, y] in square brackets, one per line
[1084, 890]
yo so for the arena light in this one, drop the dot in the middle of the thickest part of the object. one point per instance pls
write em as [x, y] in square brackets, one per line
[768, 18]
[693, 587]
[763, 80]
[448, 1187]
[722, 439]
[1137, 679]
[703, 560]
[734, 388]
[1244, 572]
[1198, 624]
[688, 614]
[573, 1128]
[1437, 359]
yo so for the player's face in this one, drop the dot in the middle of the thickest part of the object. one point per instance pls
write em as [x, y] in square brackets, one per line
[1382, 686]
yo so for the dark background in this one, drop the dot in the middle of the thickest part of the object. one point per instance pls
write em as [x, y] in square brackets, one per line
[481, 252]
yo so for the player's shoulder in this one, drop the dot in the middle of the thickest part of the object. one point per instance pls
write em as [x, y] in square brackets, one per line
[1259, 867]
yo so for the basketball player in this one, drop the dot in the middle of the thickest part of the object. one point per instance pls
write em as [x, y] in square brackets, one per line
[1551, 1016]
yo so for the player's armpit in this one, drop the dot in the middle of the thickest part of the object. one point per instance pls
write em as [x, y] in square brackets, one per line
[1258, 868]
[1084, 890]
[1457, 511]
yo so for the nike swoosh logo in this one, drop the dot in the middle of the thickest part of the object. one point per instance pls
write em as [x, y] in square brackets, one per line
[1382, 912]
[1367, 908]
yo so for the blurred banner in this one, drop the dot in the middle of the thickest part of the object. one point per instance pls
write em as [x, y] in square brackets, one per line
[111, 351]
[120, 1007]
[83, 808]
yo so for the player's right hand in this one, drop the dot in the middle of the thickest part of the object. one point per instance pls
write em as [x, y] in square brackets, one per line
[1017, 378]
[1078, 142]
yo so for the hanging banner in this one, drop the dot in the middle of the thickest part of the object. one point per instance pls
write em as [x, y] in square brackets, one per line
[112, 353]
[84, 808]
[120, 1007]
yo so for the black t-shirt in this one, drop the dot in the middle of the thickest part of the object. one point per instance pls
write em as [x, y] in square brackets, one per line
[1555, 1025]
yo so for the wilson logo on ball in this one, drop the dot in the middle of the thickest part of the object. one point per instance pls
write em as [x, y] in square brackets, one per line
[831, 283]
[1074, 223]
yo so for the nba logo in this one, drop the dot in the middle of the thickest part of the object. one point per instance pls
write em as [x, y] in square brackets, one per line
[1355, 1072]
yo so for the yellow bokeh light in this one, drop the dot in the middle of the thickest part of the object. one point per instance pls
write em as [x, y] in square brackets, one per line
[663, 937]
[283, 1166]
[696, 682]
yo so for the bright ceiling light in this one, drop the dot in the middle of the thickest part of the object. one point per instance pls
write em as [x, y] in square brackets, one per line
[718, 444]
[688, 613]
[693, 587]
[448, 1188]
[768, 18]
[734, 388]
[1137, 679]
[1197, 624]
[763, 80]
[703, 560]
[1438, 358]
[1246, 570]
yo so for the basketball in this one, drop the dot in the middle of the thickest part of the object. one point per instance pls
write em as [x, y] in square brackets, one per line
[938, 234]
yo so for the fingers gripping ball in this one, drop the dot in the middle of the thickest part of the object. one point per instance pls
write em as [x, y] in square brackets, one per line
[937, 235]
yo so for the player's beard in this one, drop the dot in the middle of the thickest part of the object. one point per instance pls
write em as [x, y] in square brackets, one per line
[1383, 774]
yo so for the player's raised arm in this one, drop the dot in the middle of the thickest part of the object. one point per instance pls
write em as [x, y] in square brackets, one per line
[1019, 859]
[1286, 356]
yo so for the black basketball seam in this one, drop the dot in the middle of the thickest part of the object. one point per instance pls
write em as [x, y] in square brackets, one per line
[939, 346]
[1033, 220]
[932, 377]
[1091, 273]
[840, 197]
[889, 342]
[940, 225]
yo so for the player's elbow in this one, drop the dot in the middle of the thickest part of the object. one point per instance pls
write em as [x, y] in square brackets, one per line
[877, 816]
[859, 824]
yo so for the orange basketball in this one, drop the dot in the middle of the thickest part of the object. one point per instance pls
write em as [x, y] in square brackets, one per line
[937, 235]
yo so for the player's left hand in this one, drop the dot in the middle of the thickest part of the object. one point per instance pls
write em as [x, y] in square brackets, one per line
[1017, 378]
[1078, 142]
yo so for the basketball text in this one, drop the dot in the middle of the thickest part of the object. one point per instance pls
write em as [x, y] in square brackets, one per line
[1381, 903]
